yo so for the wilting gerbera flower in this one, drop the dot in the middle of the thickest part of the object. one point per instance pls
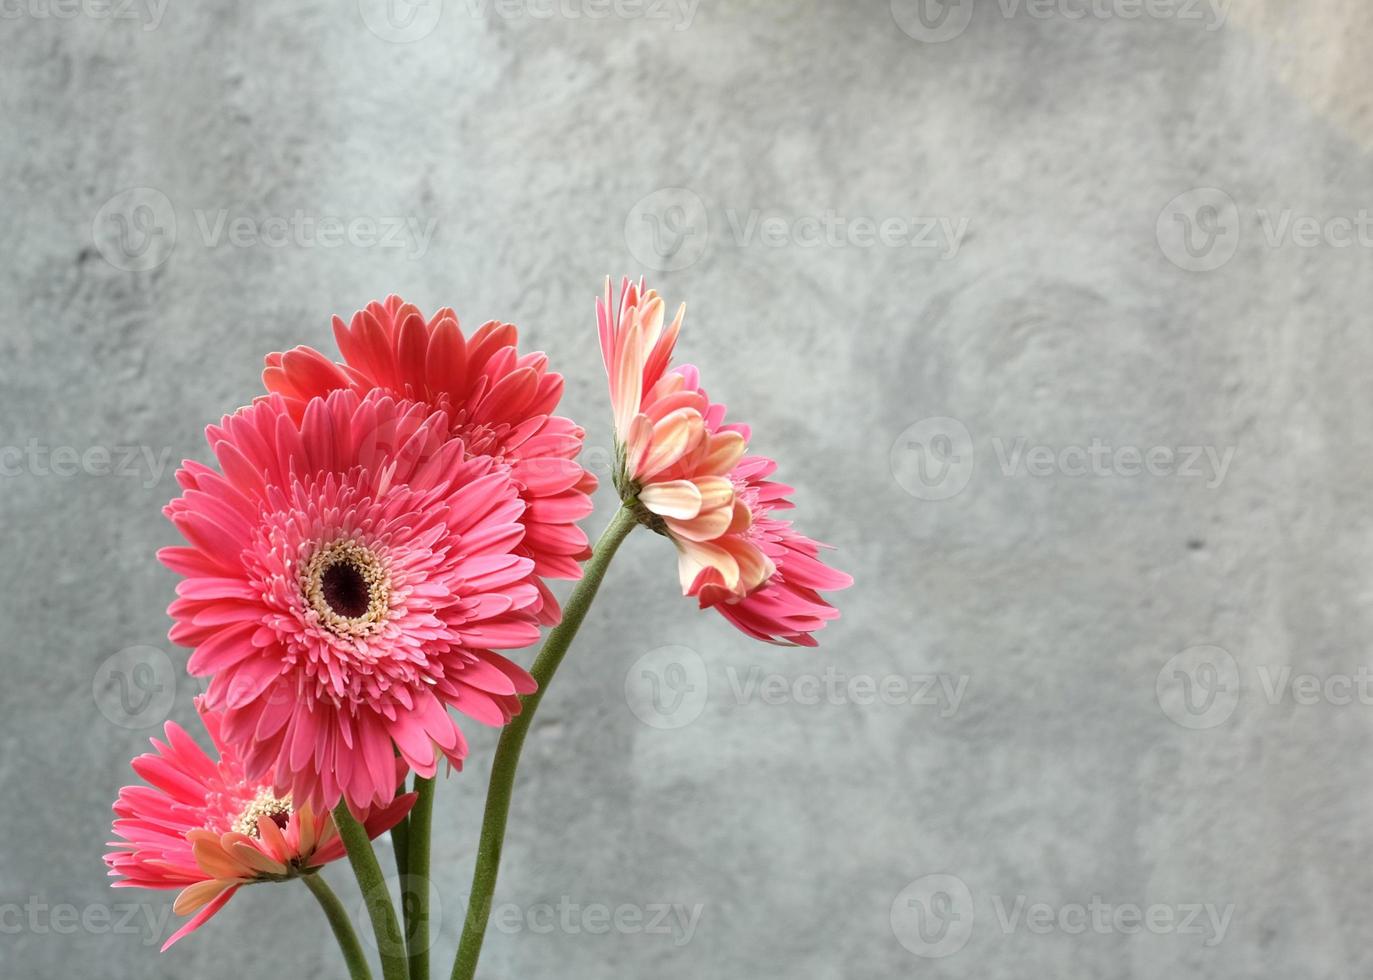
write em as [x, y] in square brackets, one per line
[204, 827]
[667, 456]
[347, 575]
[498, 403]
[714, 502]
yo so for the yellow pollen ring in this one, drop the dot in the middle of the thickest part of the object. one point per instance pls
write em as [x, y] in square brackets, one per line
[366, 570]
[263, 805]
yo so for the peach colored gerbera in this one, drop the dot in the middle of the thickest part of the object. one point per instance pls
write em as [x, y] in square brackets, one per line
[204, 827]
[686, 465]
[667, 458]
[498, 403]
[346, 577]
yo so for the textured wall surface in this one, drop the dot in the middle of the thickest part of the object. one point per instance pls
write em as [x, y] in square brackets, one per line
[1056, 313]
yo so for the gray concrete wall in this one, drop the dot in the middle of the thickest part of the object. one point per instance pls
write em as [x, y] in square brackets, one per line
[1148, 668]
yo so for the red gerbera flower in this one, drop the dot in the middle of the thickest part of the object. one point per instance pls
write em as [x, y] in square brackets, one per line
[499, 403]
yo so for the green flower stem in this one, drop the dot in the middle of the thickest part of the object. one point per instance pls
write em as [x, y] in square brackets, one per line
[400, 838]
[512, 742]
[342, 926]
[390, 940]
[417, 869]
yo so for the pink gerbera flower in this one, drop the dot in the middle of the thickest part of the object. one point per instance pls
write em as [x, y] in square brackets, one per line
[733, 554]
[498, 403]
[788, 607]
[348, 573]
[206, 828]
[668, 458]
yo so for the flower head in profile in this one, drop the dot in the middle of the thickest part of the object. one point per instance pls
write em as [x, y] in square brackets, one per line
[668, 458]
[498, 402]
[202, 826]
[685, 466]
[347, 574]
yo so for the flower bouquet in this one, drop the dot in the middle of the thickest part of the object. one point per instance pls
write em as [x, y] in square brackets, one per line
[375, 531]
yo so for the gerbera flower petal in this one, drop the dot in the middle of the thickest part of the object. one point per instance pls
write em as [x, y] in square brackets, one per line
[680, 499]
[201, 917]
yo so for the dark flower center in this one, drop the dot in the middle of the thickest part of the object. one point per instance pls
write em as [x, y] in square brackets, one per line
[347, 585]
[345, 590]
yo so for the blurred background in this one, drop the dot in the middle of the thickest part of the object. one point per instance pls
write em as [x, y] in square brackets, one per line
[1056, 313]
